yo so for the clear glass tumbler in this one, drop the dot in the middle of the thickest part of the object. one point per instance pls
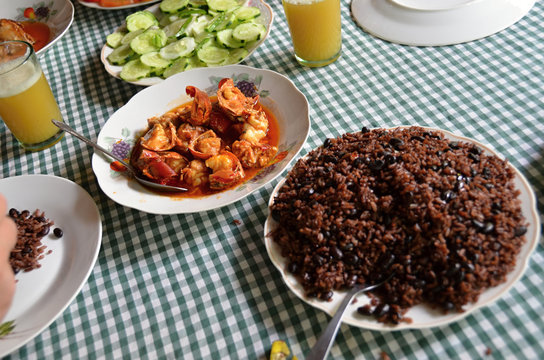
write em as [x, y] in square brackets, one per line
[27, 104]
[316, 30]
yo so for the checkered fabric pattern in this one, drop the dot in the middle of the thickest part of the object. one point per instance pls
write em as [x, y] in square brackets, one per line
[201, 285]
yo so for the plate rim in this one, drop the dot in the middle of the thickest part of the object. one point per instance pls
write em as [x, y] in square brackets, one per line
[233, 69]
[523, 264]
[56, 309]
[371, 16]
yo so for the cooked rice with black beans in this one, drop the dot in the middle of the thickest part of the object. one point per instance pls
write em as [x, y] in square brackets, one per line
[29, 250]
[441, 214]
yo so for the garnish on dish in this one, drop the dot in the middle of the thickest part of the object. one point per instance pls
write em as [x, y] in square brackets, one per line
[210, 143]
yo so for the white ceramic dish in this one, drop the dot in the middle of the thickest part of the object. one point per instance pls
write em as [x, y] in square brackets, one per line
[437, 23]
[97, 6]
[422, 315]
[266, 18]
[57, 14]
[42, 294]
[278, 94]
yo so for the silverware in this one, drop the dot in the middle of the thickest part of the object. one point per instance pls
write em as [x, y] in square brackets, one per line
[129, 167]
[321, 349]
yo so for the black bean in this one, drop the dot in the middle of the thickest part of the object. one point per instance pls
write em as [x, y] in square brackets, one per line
[330, 158]
[292, 267]
[44, 231]
[351, 259]
[396, 143]
[474, 157]
[478, 224]
[25, 214]
[489, 186]
[364, 130]
[365, 310]
[276, 214]
[454, 145]
[319, 260]
[448, 305]
[327, 143]
[327, 296]
[381, 310]
[488, 227]
[377, 164]
[520, 230]
[14, 213]
[336, 253]
[475, 150]
[58, 232]
[418, 138]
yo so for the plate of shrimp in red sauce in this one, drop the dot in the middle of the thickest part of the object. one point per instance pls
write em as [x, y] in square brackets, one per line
[221, 133]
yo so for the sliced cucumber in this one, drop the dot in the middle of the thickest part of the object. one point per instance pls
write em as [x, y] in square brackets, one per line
[150, 40]
[134, 70]
[216, 21]
[247, 13]
[198, 26]
[121, 55]
[212, 55]
[183, 29]
[194, 62]
[172, 6]
[130, 36]
[225, 39]
[222, 5]
[236, 55]
[198, 3]
[114, 40]
[180, 48]
[177, 66]
[141, 20]
[190, 12]
[248, 32]
[155, 60]
[172, 29]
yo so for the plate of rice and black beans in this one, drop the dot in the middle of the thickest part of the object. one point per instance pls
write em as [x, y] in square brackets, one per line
[58, 240]
[454, 221]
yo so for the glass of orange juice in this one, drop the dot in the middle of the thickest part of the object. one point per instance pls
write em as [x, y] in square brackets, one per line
[27, 104]
[316, 30]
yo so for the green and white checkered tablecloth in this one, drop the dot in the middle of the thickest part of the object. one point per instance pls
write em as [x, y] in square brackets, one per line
[202, 286]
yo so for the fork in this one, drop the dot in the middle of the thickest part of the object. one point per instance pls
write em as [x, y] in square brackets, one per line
[321, 349]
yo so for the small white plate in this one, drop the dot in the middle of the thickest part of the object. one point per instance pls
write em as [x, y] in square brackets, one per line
[58, 15]
[422, 315]
[42, 294]
[278, 94]
[97, 6]
[437, 22]
[266, 18]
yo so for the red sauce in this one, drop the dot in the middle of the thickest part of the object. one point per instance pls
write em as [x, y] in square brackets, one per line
[39, 31]
[272, 138]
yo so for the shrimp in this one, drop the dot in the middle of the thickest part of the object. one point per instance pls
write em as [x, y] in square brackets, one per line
[206, 145]
[196, 173]
[226, 170]
[253, 155]
[161, 137]
[201, 108]
[232, 100]
[186, 133]
[160, 166]
[13, 30]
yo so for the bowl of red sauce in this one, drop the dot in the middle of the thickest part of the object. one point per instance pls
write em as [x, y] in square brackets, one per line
[41, 23]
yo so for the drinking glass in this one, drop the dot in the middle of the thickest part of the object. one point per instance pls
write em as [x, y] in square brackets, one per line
[27, 104]
[316, 31]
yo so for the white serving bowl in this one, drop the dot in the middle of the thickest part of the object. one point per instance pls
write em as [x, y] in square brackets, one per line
[277, 93]
[59, 16]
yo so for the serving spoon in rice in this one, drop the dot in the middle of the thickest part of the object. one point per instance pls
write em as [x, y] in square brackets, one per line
[321, 349]
[130, 168]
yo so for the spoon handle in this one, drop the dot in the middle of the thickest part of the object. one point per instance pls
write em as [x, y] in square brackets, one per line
[324, 343]
[68, 129]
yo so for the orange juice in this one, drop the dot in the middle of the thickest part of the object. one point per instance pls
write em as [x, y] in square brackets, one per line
[27, 104]
[316, 31]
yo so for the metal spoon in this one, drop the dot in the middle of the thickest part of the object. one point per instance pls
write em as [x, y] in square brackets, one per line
[321, 349]
[129, 167]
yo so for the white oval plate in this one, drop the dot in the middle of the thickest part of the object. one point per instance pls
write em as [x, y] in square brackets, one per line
[42, 294]
[59, 18]
[96, 6]
[278, 93]
[437, 22]
[266, 18]
[422, 315]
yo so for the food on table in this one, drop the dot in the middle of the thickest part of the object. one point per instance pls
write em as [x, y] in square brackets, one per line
[280, 351]
[209, 144]
[31, 229]
[443, 215]
[184, 35]
[34, 32]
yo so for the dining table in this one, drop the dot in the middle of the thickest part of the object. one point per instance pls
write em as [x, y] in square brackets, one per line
[201, 285]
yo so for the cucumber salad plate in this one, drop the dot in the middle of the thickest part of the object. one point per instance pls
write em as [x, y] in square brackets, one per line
[177, 35]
